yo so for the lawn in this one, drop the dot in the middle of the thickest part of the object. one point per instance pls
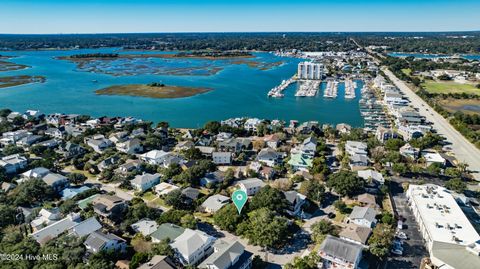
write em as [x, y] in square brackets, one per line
[407, 71]
[468, 106]
[449, 87]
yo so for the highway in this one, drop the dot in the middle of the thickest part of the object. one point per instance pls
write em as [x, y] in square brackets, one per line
[464, 151]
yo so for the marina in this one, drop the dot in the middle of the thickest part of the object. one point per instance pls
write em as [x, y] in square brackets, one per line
[308, 88]
[372, 110]
[350, 88]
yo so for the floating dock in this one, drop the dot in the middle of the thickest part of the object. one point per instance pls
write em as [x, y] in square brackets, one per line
[277, 91]
[308, 88]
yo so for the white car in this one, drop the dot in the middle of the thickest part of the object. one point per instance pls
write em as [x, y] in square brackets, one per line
[401, 235]
[396, 252]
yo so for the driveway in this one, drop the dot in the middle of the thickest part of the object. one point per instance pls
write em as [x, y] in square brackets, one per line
[413, 248]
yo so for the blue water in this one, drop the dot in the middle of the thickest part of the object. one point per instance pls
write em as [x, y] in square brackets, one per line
[433, 56]
[238, 91]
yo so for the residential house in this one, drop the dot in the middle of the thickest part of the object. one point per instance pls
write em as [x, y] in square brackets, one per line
[35, 173]
[184, 145]
[53, 230]
[358, 162]
[46, 217]
[309, 146]
[158, 262]
[227, 255]
[69, 193]
[343, 128]
[214, 203]
[118, 137]
[145, 181]
[109, 207]
[339, 253]
[295, 202]
[98, 143]
[383, 134]
[363, 216]
[166, 230]
[300, 162]
[433, 157]
[129, 166]
[192, 246]
[160, 157]
[371, 175]
[251, 185]
[211, 179]
[98, 241]
[13, 163]
[71, 150]
[355, 233]
[56, 181]
[368, 200]
[251, 124]
[145, 226]
[355, 147]
[165, 188]
[131, 146]
[108, 163]
[269, 157]
[222, 158]
[190, 194]
[206, 151]
[7, 186]
[408, 151]
[56, 132]
[86, 227]
[272, 141]
[223, 135]
[29, 140]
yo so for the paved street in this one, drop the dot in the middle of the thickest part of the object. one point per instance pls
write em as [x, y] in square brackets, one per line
[413, 248]
[464, 151]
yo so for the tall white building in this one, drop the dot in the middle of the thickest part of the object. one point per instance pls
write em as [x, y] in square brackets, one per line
[310, 70]
[450, 238]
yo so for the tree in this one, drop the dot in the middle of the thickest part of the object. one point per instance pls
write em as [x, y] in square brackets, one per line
[227, 218]
[174, 199]
[188, 221]
[314, 190]
[270, 198]
[394, 144]
[193, 154]
[32, 192]
[346, 183]
[399, 168]
[77, 178]
[137, 259]
[172, 170]
[319, 166]
[212, 127]
[163, 248]
[322, 228]
[456, 184]
[7, 215]
[387, 218]
[308, 262]
[341, 206]
[381, 240]
[172, 216]
[264, 228]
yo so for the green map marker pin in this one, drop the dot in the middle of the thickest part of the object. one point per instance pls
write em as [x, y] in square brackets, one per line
[239, 198]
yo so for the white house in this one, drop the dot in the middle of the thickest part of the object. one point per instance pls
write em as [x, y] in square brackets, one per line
[363, 216]
[160, 157]
[98, 143]
[165, 188]
[192, 246]
[268, 156]
[339, 253]
[130, 146]
[214, 203]
[145, 181]
[222, 157]
[295, 202]
[251, 185]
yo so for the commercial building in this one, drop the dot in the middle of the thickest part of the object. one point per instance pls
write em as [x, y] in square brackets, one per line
[310, 70]
[447, 232]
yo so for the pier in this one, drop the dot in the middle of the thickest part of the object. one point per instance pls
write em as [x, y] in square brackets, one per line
[350, 89]
[277, 91]
[331, 90]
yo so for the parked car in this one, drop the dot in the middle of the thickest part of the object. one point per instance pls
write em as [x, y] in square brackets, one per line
[400, 225]
[397, 252]
[331, 215]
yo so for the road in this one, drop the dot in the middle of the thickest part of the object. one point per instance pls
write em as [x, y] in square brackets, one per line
[464, 151]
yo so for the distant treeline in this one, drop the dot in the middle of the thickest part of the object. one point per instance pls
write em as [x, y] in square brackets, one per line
[95, 55]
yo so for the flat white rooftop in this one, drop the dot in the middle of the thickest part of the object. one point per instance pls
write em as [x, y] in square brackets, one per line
[441, 215]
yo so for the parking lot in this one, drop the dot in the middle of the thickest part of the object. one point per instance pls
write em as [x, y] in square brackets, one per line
[413, 248]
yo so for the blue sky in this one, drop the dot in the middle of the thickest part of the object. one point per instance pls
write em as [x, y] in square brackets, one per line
[87, 16]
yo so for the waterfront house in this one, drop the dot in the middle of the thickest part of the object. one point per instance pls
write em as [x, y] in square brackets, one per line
[339, 253]
[295, 202]
[343, 128]
[98, 143]
[166, 230]
[251, 185]
[13, 163]
[363, 216]
[226, 255]
[145, 181]
[251, 124]
[269, 157]
[192, 246]
[214, 203]
[99, 241]
[222, 158]
[355, 233]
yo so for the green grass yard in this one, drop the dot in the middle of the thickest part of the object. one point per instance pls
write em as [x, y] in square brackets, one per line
[449, 87]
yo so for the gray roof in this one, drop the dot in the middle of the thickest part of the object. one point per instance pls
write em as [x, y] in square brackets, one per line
[51, 178]
[167, 230]
[456, 256]
[53, 230]
[367, 213]
[158, 262]
[191, 193]
[190, 241]
[86, 227]
[145, 178]
[224, 255]
[356, 233]
[341, 249]
[252, 183]
[215, 202]
[97, 240]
